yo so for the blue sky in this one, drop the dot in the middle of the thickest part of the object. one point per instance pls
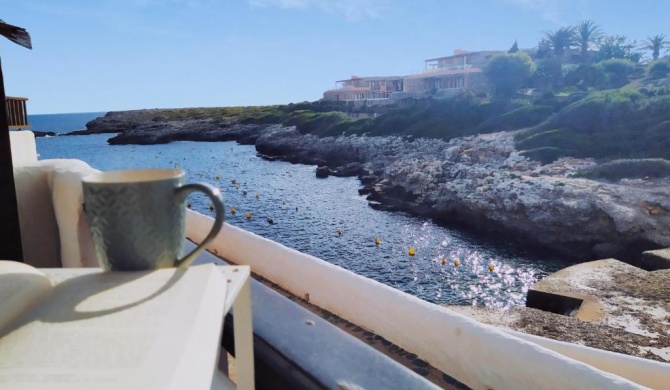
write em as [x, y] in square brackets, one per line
[128, 54]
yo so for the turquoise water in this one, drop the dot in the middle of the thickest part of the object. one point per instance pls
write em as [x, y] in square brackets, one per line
[308, 212]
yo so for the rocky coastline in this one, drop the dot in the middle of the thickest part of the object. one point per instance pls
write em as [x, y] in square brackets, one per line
[480, 181]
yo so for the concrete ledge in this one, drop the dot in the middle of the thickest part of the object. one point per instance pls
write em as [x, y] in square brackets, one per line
[477, 355]
[655, 260]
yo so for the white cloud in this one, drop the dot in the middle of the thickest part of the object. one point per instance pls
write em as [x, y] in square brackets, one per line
[351, 9]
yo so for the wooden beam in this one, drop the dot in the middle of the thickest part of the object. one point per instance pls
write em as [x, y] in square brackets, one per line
[10, 232]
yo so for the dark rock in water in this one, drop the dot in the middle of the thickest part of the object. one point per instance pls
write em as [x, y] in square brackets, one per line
[350, 169]
[369, 179]
[322, 172]
[376, 205]
[44, 133]
[365, 190]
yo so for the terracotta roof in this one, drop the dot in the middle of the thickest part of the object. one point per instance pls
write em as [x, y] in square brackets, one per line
[466, 54]
[428, 75]
[372, 78]
[349, 89]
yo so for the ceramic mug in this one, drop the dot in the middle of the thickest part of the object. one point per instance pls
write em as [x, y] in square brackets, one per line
[138, 217]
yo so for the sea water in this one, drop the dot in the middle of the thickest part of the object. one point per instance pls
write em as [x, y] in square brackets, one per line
[288, 204]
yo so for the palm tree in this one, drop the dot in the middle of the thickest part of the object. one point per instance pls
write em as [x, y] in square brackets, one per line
[655, 44]
[15, 34]
[561, 39]
[588, 34]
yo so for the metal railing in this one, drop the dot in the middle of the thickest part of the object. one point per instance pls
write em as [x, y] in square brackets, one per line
[17, 115]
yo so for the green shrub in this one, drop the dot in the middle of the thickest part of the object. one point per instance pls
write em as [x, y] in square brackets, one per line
[517, 119]
[617, 71]
[658, 69]
[585, 76]
[598, 110]
[629, 169]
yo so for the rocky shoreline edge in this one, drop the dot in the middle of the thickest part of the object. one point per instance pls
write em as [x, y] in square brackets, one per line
[479, 181]
[603, 304]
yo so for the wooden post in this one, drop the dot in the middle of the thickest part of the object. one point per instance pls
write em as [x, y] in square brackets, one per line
[10, 233]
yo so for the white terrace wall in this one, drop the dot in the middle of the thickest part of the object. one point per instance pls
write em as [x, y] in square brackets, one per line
[481, 356]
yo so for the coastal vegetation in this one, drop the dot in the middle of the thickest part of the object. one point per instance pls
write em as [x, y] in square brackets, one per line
[580, 93]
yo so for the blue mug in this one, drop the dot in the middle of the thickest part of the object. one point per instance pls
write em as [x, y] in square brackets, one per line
[138, 218]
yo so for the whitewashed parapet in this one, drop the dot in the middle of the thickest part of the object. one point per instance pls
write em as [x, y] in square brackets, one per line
[478, 355]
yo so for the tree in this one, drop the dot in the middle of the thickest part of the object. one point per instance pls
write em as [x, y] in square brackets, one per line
[588, 35]
[618, 46]
[560, 40]
[514, 48]
[508, 72]
[655, 44]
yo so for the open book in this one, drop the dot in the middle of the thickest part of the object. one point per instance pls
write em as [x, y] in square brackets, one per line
[109, 330]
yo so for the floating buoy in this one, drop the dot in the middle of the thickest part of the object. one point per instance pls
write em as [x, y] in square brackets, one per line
[256, 196]
[244, 192]
[248, 215]
[211, 207]
[456, 263]
[232, 210]
[412, 252]
[237, 187]
[378, 240]
[492, 267]
[339, 232]
[271, 221]
[233, 181]
[216, 177]
[444, 261]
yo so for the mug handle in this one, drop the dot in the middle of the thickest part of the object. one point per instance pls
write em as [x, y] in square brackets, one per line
[217, 200]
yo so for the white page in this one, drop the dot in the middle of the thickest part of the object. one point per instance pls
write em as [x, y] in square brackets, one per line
[21, 286]
[64, 344]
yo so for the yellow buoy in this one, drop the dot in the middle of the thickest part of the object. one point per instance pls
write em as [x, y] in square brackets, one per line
[412, 252]
[444, 261]
[233, 181]
[456, 263]
[491, 267]
[248, 215]
[339, 232]
[216, 177]
[378, 240]
[232, 210]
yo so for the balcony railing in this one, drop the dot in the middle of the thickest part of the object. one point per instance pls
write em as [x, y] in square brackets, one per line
[17, 115]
